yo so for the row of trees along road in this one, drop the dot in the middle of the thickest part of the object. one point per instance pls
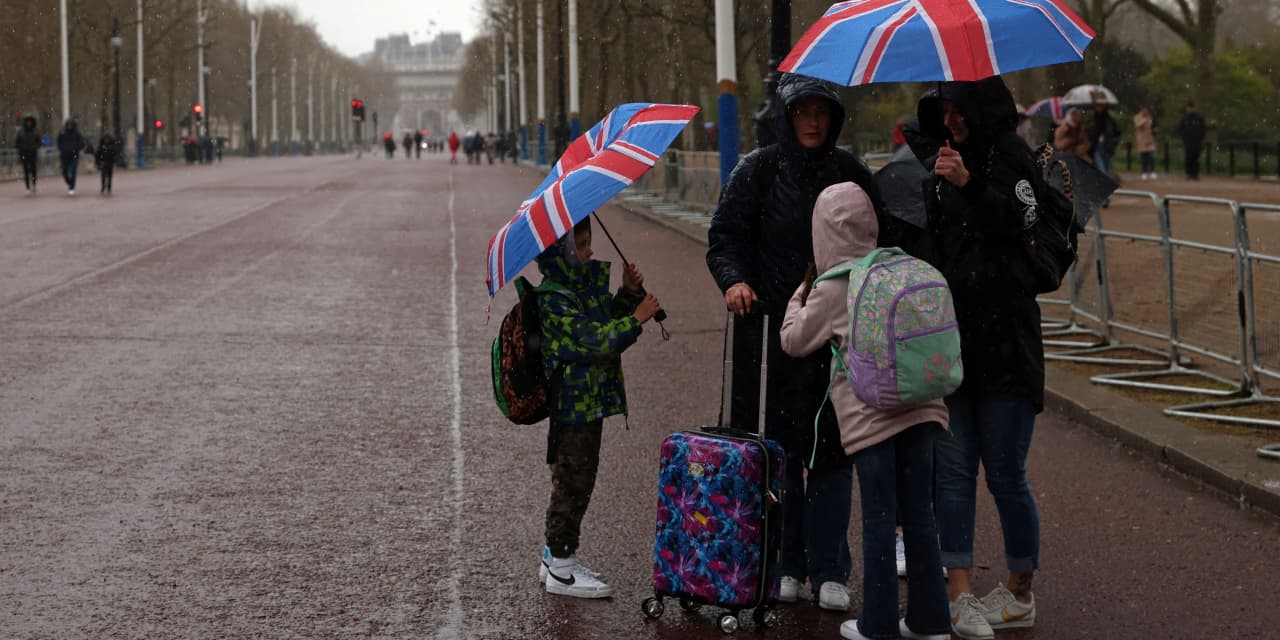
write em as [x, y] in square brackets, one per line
[1162, 53]
[29, 78]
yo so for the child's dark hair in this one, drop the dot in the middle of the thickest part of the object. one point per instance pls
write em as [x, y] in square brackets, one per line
[584, 225]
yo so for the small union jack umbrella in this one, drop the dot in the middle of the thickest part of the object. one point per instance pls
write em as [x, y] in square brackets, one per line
[600, 163]
[865, 41]
[1047, 108]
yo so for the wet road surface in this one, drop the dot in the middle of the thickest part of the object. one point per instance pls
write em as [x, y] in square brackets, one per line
[253, 401]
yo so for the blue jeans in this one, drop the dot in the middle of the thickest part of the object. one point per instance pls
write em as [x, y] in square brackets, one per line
[815, 522]
[1102, 161]
[895, 480]
[996, 430]
[70, 161]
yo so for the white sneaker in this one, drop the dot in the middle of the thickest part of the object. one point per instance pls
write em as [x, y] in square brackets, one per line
[908, 633]
[567, 577]
[833, 596]
[71, 192]
[545, 559]
[1154, 176]
[900, 553]
[967, 620]
[789, 591]
[1003, 611]
[849, 630]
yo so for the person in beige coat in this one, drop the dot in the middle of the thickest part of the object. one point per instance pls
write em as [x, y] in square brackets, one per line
[1144, 141]
[892, 450]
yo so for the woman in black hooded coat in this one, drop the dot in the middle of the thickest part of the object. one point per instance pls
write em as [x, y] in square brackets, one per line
[983, 195]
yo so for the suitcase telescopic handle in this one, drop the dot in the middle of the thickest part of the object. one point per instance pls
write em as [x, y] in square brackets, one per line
[726, 375]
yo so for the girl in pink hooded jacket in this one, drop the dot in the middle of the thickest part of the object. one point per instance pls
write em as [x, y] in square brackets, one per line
[892, 450]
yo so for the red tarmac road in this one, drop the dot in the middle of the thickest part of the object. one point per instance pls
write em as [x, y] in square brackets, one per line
[253, 401]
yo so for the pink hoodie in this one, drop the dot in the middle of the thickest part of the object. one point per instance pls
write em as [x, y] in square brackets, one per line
[844, 229]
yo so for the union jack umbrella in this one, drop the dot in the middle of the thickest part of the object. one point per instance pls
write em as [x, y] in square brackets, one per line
[864, 41]
[1047, 108]
[595, 167]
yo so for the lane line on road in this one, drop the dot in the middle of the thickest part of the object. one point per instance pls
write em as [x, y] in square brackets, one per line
[452, 627]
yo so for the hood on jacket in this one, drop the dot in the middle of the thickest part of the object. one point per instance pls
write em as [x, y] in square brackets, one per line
[29, 123]
[987, 107]
[70, 124]
[844, 225]
[791, 89]
[559, 262]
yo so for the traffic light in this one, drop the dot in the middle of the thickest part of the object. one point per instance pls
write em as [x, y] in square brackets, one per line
[159, 124]
[198, 109]
[357, 110]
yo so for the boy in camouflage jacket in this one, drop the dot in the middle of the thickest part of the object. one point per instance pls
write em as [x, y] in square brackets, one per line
[585, 329]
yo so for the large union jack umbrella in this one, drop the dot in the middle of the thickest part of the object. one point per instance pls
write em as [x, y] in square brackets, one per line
[595, 167]
[1048, 108]
[865, 41]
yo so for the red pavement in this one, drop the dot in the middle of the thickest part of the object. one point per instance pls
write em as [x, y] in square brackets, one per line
[253, 400]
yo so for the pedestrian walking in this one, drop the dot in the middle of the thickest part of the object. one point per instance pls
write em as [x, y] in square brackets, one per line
[490, 146]
[105, 160]
[28, 143]
[70, 144]
[417, 145]
[454, 143]
[389, 143]
[1192, 129]
[892, 449]
[1144, 141]
[585, 329]
[1104, 138]
[407, 142]
[758, 250]
[985, 191]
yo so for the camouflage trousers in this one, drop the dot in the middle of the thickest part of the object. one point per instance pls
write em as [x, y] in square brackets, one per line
[573, 452]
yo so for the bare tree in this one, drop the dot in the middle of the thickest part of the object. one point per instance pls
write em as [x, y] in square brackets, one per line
[1196, 22]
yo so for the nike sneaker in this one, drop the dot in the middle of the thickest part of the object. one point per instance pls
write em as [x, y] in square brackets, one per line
[567, 577]
[1003, 611]
[967, 620]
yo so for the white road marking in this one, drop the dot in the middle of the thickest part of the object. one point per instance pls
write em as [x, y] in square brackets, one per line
[452, 627]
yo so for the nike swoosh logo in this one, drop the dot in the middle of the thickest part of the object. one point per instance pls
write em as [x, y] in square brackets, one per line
[1004, 613]
[564, 581]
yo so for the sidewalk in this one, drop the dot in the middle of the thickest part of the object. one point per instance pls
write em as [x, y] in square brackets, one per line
[1244, 477]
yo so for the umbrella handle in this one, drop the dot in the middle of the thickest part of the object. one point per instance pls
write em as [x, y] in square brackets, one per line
[660, 316]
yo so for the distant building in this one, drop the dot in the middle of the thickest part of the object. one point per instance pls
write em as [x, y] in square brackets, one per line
[426, 74]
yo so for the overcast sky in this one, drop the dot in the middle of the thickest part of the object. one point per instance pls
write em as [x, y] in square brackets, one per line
[351, 26]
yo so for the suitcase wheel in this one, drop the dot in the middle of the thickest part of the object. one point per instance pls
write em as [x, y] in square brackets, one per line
[728, 623]
[765, 617]
[652, 607]
[689, 605]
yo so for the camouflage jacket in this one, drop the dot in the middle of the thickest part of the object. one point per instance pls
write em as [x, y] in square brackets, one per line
[584, 336]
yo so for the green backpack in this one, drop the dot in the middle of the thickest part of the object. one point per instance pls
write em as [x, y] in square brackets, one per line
[520, 385]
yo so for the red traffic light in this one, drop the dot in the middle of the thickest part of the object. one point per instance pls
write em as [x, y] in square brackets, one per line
[198, 108]
[357, 104]
[159, 124]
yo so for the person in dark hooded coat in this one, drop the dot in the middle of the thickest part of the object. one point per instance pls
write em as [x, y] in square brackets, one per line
[28, 145]
[70, 144]
[105, 159]
[759, 248]
[983, 194]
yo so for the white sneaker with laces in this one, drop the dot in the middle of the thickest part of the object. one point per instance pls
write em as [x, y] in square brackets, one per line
[1002, 610]
[789, 591]
[849, 630]
[967, 620]
[908, 633]
[567, 577]
[900, 553]
[544, 561]
[833, 596]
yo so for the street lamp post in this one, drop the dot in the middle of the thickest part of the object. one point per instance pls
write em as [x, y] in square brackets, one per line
[116, 42]
[779, 45]
[562, 124]
[141, 120]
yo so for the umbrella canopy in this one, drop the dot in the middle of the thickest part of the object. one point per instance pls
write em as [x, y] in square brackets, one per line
[1090, 187]
[600, 163]
[865, 41]
[901, 183]
[1048, 108]
[1089, 94]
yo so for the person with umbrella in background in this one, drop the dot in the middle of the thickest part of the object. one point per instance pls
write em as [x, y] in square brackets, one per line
[984, 192]
[1104, 137]
[759, 246]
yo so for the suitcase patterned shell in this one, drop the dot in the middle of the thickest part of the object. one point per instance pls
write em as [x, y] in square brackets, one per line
[713, 543]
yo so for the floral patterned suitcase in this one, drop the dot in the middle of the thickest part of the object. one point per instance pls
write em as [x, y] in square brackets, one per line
[719, 520]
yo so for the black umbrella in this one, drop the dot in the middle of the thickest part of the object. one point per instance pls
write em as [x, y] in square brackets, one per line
[1090, 187]
[901, 184]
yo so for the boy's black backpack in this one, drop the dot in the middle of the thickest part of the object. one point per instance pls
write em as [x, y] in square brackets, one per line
[520, 385]
[1053, 238]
